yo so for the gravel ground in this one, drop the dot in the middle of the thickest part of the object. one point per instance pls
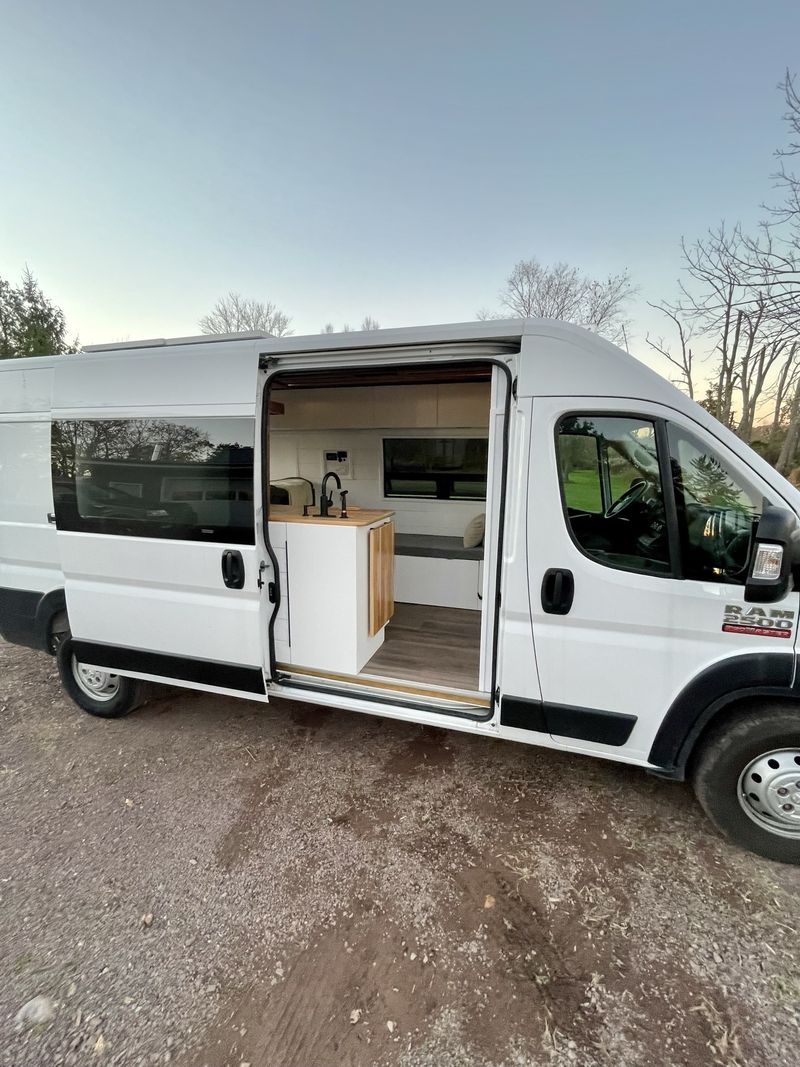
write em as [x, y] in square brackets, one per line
[212, 882]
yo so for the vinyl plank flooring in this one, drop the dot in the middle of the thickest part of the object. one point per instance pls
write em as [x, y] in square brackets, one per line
[440, 646]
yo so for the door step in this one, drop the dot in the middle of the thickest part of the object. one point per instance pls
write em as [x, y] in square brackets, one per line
[365, 685]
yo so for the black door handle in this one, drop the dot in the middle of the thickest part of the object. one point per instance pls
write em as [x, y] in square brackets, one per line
[558, 591]
[232, 568]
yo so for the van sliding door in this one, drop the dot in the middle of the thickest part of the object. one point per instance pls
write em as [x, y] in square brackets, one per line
[156, 494]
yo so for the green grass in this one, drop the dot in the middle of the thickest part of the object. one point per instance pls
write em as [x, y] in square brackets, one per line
[582, 489]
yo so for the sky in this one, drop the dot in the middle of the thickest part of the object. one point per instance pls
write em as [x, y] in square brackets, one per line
[356, 158]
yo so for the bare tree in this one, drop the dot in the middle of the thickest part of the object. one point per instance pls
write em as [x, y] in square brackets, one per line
[727, 303]
[684, 360]
[562, 292]
[367, 323]
[235, 313]
[773, 256]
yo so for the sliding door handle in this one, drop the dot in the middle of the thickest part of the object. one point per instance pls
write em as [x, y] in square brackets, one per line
[558, 591]
[232, 568]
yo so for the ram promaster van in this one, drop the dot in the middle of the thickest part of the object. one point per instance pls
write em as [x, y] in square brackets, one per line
[511, 528]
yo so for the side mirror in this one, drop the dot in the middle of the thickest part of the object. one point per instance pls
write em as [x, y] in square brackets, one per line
[773, 556]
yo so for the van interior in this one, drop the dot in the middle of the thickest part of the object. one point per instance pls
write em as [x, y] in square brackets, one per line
[416, 442]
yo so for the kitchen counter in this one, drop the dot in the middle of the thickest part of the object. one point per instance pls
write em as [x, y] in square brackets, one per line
[355, 517]
[337, 588]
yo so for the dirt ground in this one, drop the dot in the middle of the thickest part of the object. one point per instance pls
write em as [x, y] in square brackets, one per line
[213, 882]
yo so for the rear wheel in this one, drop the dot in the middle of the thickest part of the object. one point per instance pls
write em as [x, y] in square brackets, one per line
[96, 689]
[747, 778]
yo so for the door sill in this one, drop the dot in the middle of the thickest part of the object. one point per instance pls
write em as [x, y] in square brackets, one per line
[460, 702]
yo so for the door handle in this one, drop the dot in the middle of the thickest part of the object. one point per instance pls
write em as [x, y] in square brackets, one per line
[558, 591]
[232, 568]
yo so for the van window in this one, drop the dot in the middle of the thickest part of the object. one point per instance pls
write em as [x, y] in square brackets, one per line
[612, 492]
[183, 479]
[435, 468]
[717, 511]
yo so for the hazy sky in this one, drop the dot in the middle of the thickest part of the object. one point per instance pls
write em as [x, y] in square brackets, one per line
[392, 159]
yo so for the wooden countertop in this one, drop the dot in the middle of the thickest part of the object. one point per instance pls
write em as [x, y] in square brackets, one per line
[355, 517]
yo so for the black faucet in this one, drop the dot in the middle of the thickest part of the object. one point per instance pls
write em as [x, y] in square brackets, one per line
[325, 501]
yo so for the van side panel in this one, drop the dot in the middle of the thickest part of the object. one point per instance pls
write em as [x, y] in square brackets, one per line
[29, 564]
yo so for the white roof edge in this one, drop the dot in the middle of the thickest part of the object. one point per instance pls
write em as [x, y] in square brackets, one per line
[196, 339]
[455, 332]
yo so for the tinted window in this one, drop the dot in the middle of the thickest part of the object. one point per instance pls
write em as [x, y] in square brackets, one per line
[186, 479]
[717, 511]
[612, 491]
[437, 468]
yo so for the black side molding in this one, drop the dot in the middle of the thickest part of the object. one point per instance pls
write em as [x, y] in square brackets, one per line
[203, 671]
[752, 674]
[562, 720]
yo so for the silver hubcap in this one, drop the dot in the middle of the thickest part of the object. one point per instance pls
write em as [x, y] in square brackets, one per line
[769, 791]
[94, 681]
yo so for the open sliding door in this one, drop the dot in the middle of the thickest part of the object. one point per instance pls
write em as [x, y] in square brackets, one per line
[157, 503]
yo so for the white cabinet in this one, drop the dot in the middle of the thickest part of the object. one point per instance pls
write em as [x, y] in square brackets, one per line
[323, 621]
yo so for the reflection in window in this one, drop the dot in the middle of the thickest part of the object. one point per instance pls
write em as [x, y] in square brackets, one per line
[717, 511]
[186, 479]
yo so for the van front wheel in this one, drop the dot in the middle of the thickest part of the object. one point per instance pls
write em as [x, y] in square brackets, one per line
[95, 689]
[747, 778]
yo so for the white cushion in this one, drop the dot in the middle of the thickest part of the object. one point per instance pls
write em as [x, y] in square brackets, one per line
[476, 528]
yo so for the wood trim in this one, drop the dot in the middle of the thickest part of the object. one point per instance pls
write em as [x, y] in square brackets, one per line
[355, 517]
[373, 682]
[381, 576]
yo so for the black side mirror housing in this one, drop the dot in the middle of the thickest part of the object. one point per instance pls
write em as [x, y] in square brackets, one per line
[777, 529]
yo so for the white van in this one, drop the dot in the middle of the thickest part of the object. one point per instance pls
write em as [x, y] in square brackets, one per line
[509, 527]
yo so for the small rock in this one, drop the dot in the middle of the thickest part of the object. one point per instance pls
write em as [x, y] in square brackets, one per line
[355, 1015]
[99, 1046]
[36, 1012]
[245, 1063]
[73, 989]
[128, 802]
[390, 1026]
[489, 902]
[147, 918]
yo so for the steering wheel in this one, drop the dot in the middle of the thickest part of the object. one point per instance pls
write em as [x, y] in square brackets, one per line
[632, 495]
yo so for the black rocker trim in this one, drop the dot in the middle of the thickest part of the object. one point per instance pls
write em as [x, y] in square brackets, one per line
[563, 720]
[202, 671]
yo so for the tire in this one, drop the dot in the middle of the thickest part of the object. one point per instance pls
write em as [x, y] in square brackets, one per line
[100, 692]
[746, 776]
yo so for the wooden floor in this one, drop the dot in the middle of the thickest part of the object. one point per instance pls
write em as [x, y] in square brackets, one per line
[440, 646]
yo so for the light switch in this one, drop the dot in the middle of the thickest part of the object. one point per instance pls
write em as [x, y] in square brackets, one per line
[336, 460]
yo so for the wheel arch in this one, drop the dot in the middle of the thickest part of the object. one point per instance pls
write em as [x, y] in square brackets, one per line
[51, 608]
[716, 692]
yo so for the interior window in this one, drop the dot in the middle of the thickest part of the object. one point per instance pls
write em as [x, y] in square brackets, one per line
[438, 468]
[612, 491]
[717, 511]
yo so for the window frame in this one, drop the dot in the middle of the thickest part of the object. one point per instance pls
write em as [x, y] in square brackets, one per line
[667, 490]
[156, 530]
